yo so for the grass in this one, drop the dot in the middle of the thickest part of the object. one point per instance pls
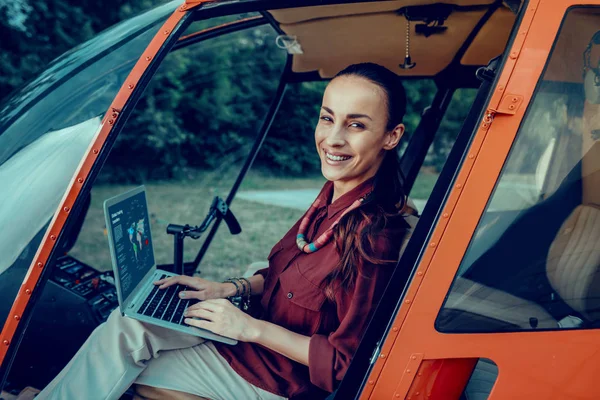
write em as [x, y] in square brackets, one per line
[187, 201]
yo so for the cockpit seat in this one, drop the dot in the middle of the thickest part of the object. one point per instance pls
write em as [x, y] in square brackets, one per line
[571, 264]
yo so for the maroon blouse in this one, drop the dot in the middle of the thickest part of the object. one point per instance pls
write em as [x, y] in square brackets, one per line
[294, 299]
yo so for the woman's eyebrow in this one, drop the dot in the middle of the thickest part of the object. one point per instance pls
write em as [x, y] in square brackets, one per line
[329, 110]
[353, 116]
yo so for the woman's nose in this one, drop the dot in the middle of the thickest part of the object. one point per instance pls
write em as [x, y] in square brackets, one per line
[335, 138]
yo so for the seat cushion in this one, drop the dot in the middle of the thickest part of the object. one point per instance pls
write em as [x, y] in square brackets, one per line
[573, 264]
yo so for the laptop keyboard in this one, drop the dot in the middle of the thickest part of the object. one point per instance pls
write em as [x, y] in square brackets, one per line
[166, 305]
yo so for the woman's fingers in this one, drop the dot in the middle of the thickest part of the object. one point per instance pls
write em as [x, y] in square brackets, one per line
[193, 294]
[212, 305]
[180, 280]
[200, 323]
[199, 313]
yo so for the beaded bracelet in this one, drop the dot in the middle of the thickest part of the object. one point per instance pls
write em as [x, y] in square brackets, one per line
[236, 284]
[242, 288]
[247, 302]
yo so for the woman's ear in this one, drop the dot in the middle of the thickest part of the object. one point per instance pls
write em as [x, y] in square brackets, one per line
[393, 137]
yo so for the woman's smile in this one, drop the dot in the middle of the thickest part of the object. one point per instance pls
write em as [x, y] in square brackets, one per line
[336, 158]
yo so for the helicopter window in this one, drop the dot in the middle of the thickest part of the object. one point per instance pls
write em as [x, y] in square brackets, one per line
[187, 141]
[534, 260]
[442, 144]
[197, 27]
[45, 130]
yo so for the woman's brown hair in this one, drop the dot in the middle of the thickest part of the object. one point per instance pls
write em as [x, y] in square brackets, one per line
[355, 236]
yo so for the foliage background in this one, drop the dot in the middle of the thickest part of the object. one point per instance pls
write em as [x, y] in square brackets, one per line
[207, 101]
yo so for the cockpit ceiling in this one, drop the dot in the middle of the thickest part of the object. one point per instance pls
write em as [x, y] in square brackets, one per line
[334, 36]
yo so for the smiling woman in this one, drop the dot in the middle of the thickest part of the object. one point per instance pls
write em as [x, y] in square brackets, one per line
[323, 282]
[354, 132]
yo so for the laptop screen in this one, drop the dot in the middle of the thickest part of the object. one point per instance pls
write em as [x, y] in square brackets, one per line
[132, 242]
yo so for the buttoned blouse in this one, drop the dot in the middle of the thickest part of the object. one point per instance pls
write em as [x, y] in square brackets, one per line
[294, 298]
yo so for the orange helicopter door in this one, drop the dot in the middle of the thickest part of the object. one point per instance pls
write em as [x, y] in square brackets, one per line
[507, 291]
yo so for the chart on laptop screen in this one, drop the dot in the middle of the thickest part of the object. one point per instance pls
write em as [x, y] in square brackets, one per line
[132, 240]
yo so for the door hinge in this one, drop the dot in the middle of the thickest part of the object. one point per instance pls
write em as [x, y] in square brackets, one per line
[509, 104]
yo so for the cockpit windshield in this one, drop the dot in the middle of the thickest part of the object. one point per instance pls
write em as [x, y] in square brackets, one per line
[45, 129]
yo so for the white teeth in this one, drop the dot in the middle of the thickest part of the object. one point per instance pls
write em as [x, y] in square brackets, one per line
[336, 158]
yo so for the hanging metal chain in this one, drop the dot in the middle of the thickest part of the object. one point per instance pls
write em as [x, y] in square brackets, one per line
[407, 64]
[407, 38]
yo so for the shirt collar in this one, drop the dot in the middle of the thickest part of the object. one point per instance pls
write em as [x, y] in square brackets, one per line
[345, 200]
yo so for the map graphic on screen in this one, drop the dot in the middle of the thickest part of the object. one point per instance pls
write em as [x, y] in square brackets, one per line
[132, 242]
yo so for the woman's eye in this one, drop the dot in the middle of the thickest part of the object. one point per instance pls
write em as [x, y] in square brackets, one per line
[325, 118]
[357, 125]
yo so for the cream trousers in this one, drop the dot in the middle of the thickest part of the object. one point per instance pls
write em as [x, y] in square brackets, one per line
[123, 351]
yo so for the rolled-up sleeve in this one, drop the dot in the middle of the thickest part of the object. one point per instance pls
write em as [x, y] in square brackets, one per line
[329, 355]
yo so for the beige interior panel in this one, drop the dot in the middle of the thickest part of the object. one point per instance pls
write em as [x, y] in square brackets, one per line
[567, 59]
[491, 39]
[329, 45]
[294, 15]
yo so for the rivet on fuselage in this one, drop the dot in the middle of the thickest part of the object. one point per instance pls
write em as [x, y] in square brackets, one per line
[79, 180]
[6, 342]
[95, 151]
[27, 291]
[17, 317]
[66, 209]
[40, 265]
[52, 237]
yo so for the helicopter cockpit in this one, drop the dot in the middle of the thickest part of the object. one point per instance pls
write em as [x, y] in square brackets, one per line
[220, 102]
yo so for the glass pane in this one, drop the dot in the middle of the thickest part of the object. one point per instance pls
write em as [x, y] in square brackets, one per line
[438, 152]
[46, 129]
[534, 260]
[186, 142]
[200, 25]
[482, 380]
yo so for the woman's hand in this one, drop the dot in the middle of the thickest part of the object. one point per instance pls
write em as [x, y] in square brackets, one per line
[223, 318]
[204, 289]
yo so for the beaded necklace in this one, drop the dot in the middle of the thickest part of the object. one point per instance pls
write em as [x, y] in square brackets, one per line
[328, 234]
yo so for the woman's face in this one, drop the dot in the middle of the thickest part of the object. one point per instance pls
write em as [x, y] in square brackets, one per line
[351, 136]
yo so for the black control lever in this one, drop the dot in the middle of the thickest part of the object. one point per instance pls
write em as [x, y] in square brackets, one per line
[218, 209]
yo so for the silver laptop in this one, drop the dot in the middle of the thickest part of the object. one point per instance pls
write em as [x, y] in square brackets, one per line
[132, 255]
